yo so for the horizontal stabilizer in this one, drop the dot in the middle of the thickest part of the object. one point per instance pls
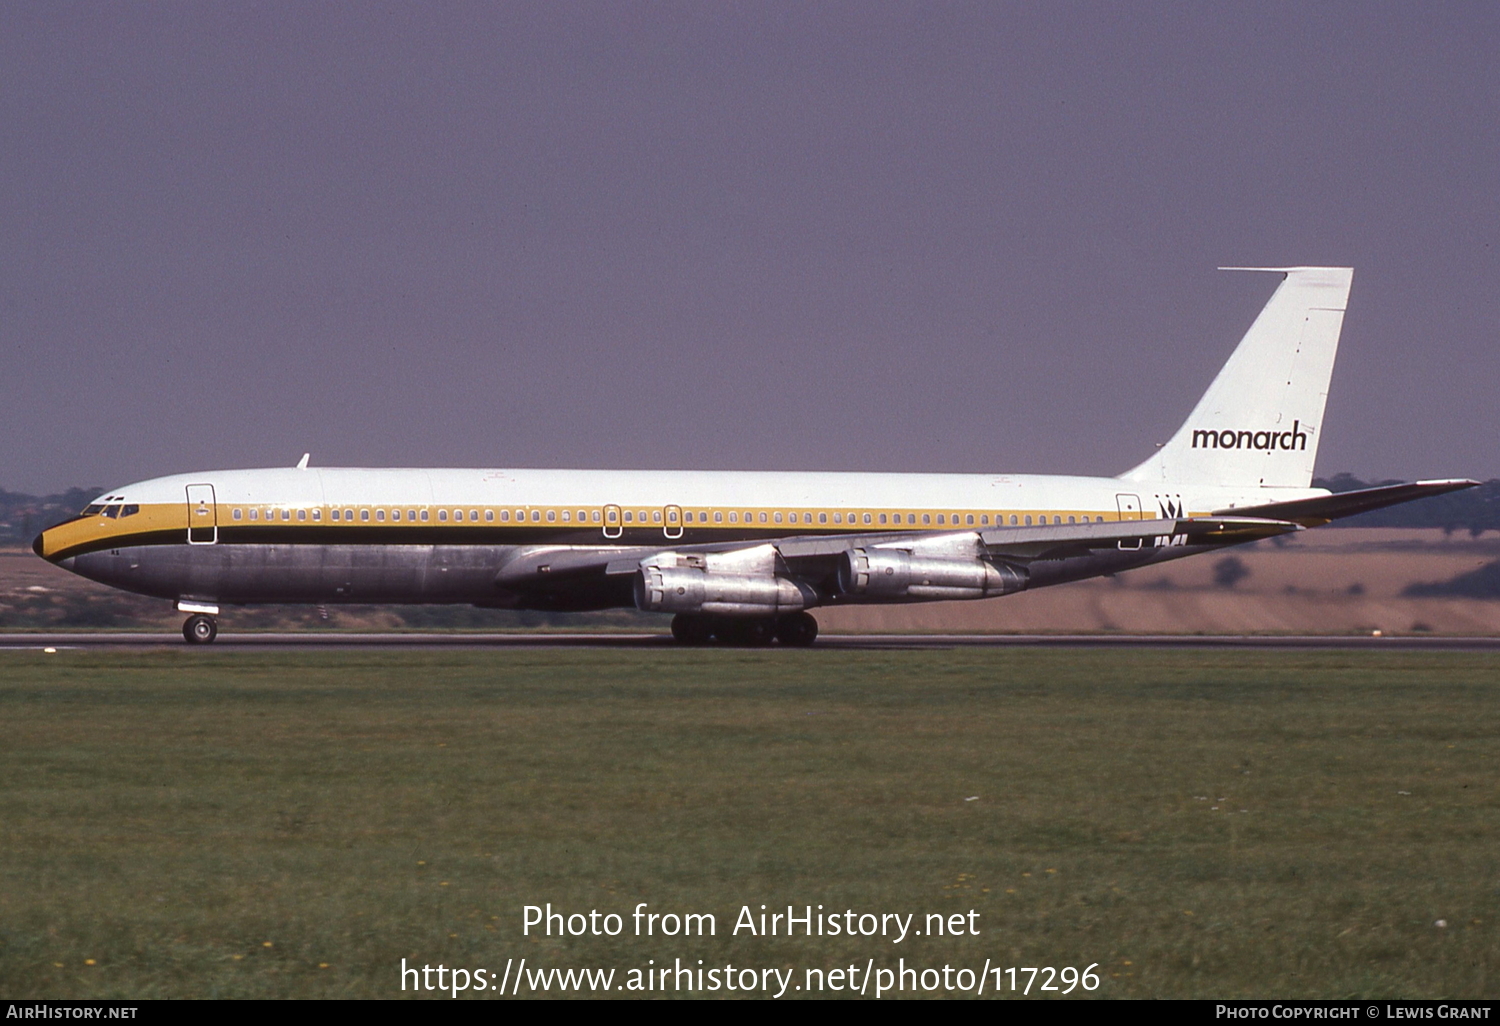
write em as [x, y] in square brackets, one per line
[1320, 510]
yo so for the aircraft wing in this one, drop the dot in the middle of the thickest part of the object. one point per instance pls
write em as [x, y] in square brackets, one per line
[554, 568]
[1317, 511]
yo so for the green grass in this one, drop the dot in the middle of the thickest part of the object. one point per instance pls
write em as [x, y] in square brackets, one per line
[1198, 823]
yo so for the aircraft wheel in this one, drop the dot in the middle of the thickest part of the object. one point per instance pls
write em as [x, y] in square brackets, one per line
[746, 633]
[799, 629]
[200, 630]
[689, 630]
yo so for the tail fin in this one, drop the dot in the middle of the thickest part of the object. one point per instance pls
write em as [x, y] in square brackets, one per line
[1258, 423]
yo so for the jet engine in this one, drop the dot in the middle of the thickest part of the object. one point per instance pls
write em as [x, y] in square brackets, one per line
[896, 575]
[744, 582]
[660, 589]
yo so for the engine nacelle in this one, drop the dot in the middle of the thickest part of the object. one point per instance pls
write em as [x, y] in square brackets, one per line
[686, 589]
[895, 575]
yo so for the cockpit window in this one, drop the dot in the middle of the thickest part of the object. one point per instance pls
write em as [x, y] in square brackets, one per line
[92, 508]
[130, 509]
[112, 510]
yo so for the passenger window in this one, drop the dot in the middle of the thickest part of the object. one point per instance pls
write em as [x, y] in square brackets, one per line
[970, 519]
[236, 514]
[348, 514]
[940, 518]
[984, 519]
[286, 514]
[536, 516]
[596, 516]
[1071, 520]
[380, 514]
[302, 514]
[882, 518]
[551, 516]
[505, 516]
[442, 514]
[926, 518]
[1012, 520]
[474, 516]
[254, 514]
[1028, 520]
[364, 514]
[656, 516]
[629, 516]
[318, 515]
[424, 515]
[332, 514]
[822, 518]
[583, 516]
[567, 515]
[734, 518]
[395, 514]
[777, 516]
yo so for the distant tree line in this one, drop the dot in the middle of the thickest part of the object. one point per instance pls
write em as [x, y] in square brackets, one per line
[23, 517]
[1475, 510]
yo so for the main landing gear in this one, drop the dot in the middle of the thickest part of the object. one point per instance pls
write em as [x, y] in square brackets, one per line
[200, 629]
[796, 629]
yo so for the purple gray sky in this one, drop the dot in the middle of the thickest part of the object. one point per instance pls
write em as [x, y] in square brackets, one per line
[959, 237]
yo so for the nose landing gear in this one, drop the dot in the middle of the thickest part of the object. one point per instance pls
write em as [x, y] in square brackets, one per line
[200, 629]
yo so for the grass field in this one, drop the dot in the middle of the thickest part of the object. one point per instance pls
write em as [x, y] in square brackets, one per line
[1252, 823]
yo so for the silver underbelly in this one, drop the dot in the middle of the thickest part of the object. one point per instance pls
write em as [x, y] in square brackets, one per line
[302, 573]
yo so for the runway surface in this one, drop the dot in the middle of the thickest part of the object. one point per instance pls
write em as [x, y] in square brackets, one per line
[333, 640]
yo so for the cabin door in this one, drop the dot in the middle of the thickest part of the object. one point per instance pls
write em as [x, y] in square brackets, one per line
[1130, 509]
[612, 525]
[203, 515]
[673, 526]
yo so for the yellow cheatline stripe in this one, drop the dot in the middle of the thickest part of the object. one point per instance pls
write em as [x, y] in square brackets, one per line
[176, 517]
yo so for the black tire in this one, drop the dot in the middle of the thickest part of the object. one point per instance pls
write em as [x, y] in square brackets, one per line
[200, 630]
[799, 629]
[745, 633]
[689, 630]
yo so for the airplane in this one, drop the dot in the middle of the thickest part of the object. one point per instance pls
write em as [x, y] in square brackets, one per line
[741, 557]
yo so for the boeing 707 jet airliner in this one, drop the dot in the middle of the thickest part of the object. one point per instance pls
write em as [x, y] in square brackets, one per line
[741, 557]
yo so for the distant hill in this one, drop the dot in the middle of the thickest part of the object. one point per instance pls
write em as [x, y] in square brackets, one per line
[1476, 510]
[22, 517]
